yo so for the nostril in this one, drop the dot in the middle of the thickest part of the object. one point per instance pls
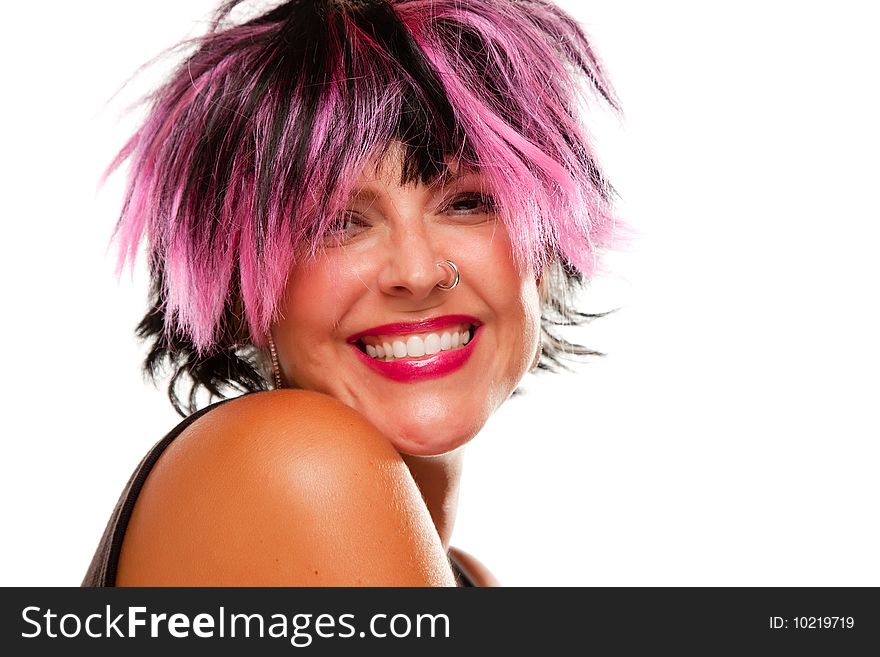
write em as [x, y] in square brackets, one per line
[413, 274]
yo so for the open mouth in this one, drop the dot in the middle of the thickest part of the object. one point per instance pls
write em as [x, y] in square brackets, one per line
[390, 348]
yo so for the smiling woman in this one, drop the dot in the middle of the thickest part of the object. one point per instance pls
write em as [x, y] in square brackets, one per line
[380, 287]
[378, 209]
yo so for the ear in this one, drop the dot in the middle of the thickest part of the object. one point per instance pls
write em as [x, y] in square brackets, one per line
[544, 274]
[542, 281]
[538, 353]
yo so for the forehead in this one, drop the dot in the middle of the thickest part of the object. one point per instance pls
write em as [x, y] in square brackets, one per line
[388, 169]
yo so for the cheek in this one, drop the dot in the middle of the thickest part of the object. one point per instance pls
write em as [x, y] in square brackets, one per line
[516, 284]
[314, 300]
[513, 293]
[305, 306]
[317, 294]
[529, 312]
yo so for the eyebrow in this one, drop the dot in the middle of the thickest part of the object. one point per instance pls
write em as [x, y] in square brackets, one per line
[448, 176]
[364, 194]
[371, 193]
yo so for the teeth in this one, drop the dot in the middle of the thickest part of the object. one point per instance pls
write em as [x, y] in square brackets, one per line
[445, 341]
[416, 346]
[432, 344]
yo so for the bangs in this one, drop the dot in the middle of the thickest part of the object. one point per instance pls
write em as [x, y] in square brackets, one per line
[250, 151]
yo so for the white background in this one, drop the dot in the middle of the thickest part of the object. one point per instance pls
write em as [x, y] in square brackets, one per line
[729, 438]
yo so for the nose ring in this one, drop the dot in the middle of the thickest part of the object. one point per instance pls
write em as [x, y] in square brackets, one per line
[452, 269]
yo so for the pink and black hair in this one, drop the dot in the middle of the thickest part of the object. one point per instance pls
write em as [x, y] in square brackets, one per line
[245, 159]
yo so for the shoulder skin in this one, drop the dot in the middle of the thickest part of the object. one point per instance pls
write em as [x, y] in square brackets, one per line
[281, 488]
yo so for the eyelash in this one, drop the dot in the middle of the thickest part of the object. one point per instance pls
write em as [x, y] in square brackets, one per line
[486, 205]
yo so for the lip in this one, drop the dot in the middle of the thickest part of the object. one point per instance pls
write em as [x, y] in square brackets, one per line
[424, 326]
[424, 368]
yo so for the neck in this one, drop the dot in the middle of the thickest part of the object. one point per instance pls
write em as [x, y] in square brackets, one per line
[437, 478]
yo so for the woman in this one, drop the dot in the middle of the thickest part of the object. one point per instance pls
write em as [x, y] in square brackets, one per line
[372, 211]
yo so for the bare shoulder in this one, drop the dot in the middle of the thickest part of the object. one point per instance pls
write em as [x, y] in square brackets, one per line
[281, 488]
[473, 568]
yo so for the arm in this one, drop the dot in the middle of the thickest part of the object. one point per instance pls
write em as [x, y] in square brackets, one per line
[282, 488]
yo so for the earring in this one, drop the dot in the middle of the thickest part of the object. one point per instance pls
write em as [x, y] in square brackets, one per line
[276, 369]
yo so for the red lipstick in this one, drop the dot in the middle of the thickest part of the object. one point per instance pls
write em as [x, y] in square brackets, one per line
[424, 326]
[413, 369]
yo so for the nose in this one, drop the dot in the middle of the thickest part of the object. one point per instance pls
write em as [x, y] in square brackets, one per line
[411, 269]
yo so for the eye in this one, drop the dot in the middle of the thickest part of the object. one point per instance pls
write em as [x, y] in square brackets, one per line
[346, 227]
[470, 203]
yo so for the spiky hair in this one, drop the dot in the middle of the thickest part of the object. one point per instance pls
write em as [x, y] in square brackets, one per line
[249, 151]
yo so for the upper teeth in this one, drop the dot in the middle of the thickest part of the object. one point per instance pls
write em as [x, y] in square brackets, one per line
[414, 346]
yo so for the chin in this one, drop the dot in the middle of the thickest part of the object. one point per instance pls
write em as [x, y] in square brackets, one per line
[435, 423]
[436, 438]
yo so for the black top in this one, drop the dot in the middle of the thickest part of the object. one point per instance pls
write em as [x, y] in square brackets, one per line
[102, 570]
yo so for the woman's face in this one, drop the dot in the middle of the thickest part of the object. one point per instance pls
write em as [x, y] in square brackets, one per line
[374, 290]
